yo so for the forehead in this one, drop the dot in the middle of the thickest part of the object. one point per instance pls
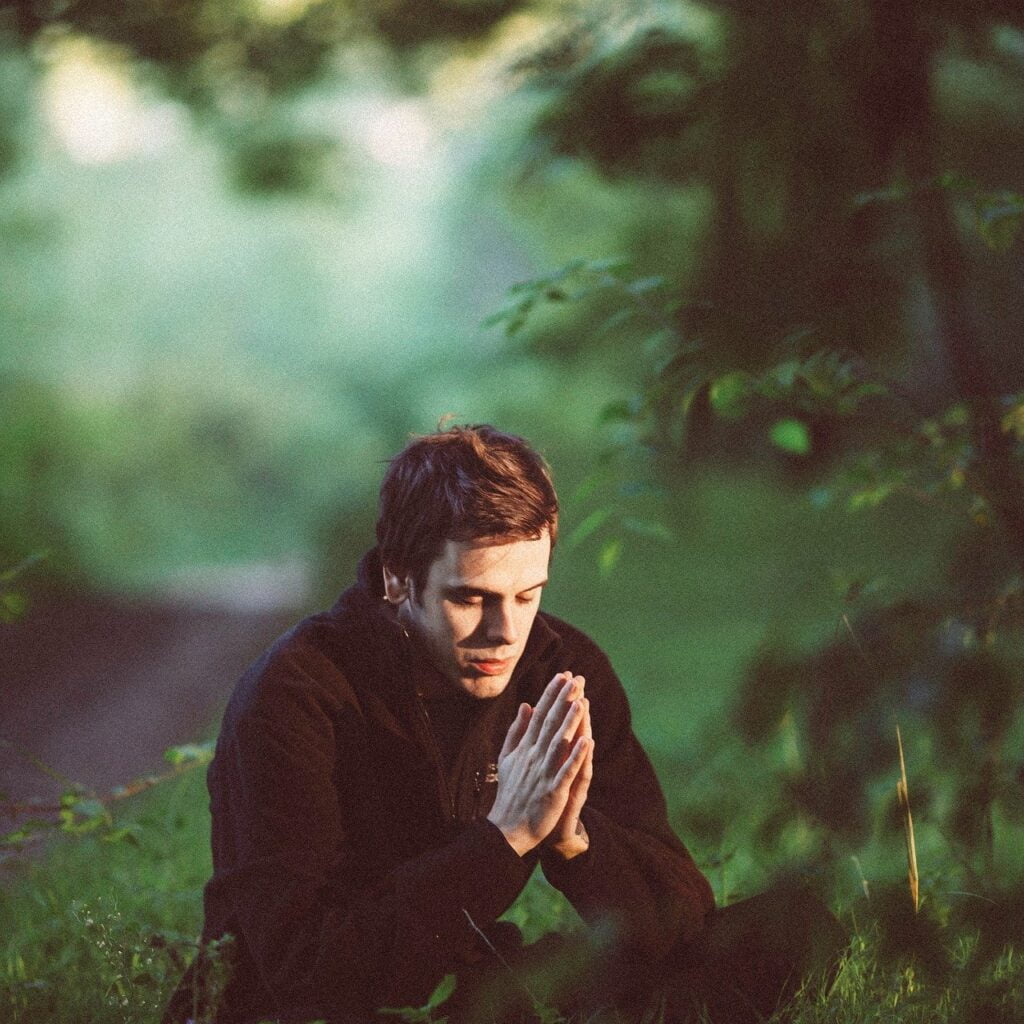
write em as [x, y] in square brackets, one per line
[492, 563]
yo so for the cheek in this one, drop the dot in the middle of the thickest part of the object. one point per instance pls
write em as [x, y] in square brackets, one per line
[526, 619]
[460, 625]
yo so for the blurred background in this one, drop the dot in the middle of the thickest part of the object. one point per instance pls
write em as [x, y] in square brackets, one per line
[748, 275]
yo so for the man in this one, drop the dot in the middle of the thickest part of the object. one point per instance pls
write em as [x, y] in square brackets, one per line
[390, 773]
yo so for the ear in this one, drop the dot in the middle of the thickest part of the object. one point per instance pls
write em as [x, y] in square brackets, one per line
[396, 588]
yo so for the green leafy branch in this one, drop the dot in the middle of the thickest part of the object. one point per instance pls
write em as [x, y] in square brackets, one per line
[997, 214]
[684, 389]
[80, 811]
[582, 280]
[425, 1014]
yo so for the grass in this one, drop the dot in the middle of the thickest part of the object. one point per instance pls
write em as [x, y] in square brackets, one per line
[95, 931]
[872, 987]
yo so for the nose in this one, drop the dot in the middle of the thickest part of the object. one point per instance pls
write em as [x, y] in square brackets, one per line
[501, 625]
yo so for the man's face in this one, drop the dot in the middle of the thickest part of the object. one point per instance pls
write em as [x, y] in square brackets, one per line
[476, 609]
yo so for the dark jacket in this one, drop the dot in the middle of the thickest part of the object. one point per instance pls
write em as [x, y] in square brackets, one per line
[352, 860]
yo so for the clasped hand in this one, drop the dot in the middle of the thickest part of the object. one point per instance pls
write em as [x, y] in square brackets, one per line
[544, 771]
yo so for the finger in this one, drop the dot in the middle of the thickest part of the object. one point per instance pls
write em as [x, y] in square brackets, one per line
[549, 700]
[554, 724]
[560, 736]
[582, 729]
[573, 763]
[578, 794]
[516, 730]
[587, 728]
[582, 726]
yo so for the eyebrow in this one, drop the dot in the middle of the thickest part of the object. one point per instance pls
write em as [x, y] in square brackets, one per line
[467, 591]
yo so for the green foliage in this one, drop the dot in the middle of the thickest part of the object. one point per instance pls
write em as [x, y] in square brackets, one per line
[875, 985]
[190, 754]
[946, 665]
[791, 436]
[81, 812]
[780, 336]
[997, 214]
[425, 1014]
[576, 282]
[174, 468]
[636, 106]
[410, 23]
[238, 66]
[99, 931]
[14, 603]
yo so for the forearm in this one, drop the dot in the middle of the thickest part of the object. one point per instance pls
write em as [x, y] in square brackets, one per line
[316, 944]
[647, 887]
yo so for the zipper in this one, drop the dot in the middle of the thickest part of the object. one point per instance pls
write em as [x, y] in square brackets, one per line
[480, 778]
[444, 788]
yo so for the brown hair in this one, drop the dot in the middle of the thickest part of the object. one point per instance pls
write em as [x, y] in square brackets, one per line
[461, 483]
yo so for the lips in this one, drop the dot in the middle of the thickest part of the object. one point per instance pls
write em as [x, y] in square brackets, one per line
[492, 667]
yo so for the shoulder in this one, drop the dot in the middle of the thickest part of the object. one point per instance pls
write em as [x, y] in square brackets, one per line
[300, 674]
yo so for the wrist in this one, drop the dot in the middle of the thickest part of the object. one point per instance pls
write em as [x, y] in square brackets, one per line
[576, 844]
[520, 843]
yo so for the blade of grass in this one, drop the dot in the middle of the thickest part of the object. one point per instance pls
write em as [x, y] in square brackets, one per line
[903, 793]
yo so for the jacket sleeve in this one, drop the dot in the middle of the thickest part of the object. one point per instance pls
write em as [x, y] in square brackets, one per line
[636, 877]
[320, 940]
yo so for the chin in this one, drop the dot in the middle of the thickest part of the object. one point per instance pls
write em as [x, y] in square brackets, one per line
[484, 686]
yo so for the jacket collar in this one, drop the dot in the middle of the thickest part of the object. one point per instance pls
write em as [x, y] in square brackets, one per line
[390, 645]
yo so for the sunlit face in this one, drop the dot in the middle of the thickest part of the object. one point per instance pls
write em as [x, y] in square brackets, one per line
[475, 610]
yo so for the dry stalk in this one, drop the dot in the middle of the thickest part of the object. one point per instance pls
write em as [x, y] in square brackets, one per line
[908, 826]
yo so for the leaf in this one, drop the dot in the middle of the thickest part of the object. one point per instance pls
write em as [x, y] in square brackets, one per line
[870, 497]
[665, 340]
[607, 265]
[19, 835]
[407, 1013]
[200, 753]
[126, 834]
[1013, 421]
[609, 556]
[890, 194]
[647, 528]
[616, 412]
[617, 319]
[644, 285]
[26, 563]
[784, 374]
[89, 808]
[728, 394]
[445, 987]
[495, 318]
[546, 1014]
[999, 218]
[12, 606]
[593, 522]
[791, 436]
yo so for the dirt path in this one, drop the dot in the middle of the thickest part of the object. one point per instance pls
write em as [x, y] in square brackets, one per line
[98, 687]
